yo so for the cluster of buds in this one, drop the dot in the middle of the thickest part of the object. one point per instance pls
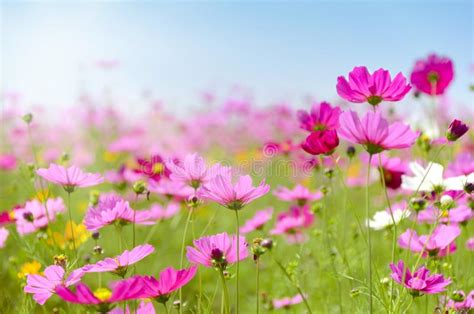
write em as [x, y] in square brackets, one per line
[261, 246]
[61, 260]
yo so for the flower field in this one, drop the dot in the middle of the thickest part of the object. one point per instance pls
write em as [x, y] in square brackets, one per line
[341, 206]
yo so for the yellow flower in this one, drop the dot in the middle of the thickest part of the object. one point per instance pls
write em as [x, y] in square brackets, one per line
[64, 240]
[29, 268]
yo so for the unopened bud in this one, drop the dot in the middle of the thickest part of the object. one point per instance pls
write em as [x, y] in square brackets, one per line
[139, 187]
[96, 235]
[98, 250]
[268, 244]
[28, 118]
[456, 130]
[351, 151]
[417, 204]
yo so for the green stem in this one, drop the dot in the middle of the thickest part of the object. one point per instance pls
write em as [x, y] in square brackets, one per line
[394, 224]
[297, 287]
[183, 243]
[225, 295]
[369, 240]
[238, 260]
[166, 308]
[258, 284]
[71, 223]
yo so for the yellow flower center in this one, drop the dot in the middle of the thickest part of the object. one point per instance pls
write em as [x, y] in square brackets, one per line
[158, 168]
[102, 294]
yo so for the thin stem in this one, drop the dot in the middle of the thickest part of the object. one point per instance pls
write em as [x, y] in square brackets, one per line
[297, 287]
[394, 224]
[71, 223]
[258, 284]
[183, 243]
[369, 240]
[166, 308]
[225, 296]
[238, 260]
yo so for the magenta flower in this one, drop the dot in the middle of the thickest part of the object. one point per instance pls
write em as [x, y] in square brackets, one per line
[35, 215]
[321, 142]
[120, 263]
[372, 88]
[257, 221]
[374, 133]
[440, 243]
[169, 281]
[102, 299]
[145, 307]
[299, 194]
[420, 282]
[293, 223]
[392, 169]
[69, 178]
[233, 196]
[217, 250]
[112, 209]
[192, 171]
[286, 303]
[321, 117]
[456, 130]
[432, 75]
[153, 168]
[43, 287]
[462, 303]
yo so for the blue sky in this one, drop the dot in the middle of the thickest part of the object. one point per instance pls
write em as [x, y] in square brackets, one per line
[282, 50]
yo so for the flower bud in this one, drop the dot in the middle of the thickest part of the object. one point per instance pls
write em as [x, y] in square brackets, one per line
[267, 243]
[94, 197]
[350, 151]
[458, 296]
[98, 250]
[96, 235]
[65, 157]
[455, 130]
[417, 204]
[177, 304]
[28, 118]
[469, 188]
[139, 187]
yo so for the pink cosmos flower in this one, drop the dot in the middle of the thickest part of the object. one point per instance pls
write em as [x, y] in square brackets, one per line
[145, 307]
[257, 221]
[160, 288]
[8, 217]
[463, 164]
[233, 196]
[35, 215]
[374, 133]
[69, 178]
[217, 250]
[192, 171]
[293, 223]
[420, 282]
[158, 212]
[171, 189]
[112, 209]
[7, 162]
[432, 75]
[120, 263]
[455, 215]
[43, 287]
[3, 236]
[372, 88]
[299, 194]
[286, 303]
[470, 244]
[440, 243]
[392, 169]
[321, 117]
[462, 304]
[321, 142]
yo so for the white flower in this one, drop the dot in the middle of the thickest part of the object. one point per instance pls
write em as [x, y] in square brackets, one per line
[431, 178]
[383, 219]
